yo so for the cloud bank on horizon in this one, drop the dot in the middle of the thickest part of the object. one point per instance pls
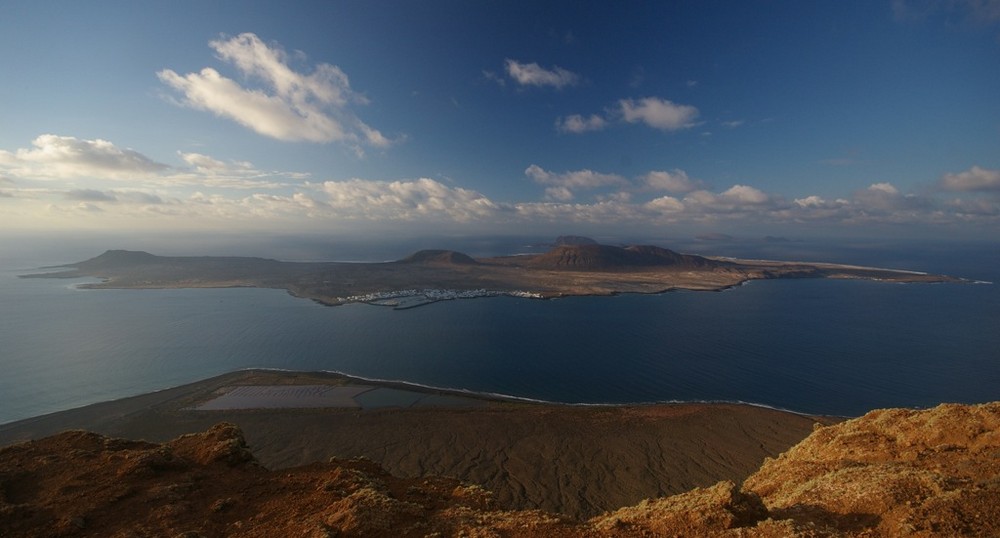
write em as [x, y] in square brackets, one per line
[547, 143]
[132, 186]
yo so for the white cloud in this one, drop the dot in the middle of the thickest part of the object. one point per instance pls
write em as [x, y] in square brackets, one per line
[974, 209]
[887, 188]
[54, 157]
[733, 124]
[404, 200]
[68, 157]
[209, 166]
[973, 179]
[69, 182]
[654, 112]
[658, 113]
[290, 106]
[562, 186]
[744, 194]
[204, 170]
[883, 201]
[575, 123]
[676, 180]
[741, 200]
[665, 204]
[810, 201]
[563, 194]
[605, 212]
[532, 74]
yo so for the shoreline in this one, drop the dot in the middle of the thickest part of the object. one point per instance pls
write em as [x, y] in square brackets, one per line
[409, 386]
[430, 276]
[574, 459]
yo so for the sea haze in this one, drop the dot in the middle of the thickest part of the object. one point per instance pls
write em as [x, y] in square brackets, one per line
[816, 346]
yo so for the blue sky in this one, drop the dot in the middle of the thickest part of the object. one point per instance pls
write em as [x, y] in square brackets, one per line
[674, 119]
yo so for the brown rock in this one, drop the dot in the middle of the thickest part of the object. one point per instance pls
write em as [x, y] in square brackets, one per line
[890, 473]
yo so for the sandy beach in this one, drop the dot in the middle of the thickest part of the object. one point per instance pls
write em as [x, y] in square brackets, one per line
[576, 460]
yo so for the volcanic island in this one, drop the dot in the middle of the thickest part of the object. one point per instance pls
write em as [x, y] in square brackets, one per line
[258, 453]
[427, 276]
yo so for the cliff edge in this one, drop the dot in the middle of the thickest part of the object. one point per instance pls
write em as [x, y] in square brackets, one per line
[889, 473]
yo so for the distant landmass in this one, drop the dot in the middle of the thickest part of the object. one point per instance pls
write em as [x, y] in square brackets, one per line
[574, 266]
[574, 240]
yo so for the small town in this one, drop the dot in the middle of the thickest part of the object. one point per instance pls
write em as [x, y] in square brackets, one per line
[402, 299]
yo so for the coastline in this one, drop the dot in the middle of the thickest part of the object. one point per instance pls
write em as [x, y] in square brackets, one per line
[559, 457]
[430, 276]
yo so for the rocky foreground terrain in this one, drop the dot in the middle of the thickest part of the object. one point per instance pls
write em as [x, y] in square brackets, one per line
[889, 473]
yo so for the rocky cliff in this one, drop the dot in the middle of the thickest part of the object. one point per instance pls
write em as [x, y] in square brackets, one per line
[889, 473]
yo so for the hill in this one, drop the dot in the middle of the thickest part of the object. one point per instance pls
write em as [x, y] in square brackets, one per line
[593, 257]
[446, 257]
[117, 258]
[889, 473]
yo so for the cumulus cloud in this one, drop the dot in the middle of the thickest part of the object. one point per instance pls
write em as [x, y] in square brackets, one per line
[658, 113]
[974, 209]
[403, 200]
[675, 180]
[289, 105]
[63, 178]
[744, 194]
[654, 112]
[603, 212]
[738, 200]
[665, 204]
[879, 199]
[973, 179]
[55, 156]
[575, 123]
[561, 186]
[811, 201]
[532, 74]
[884, 188]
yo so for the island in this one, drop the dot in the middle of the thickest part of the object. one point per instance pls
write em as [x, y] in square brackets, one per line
[570, 268]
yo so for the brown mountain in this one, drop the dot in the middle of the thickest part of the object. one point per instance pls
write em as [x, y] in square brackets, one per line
[446, 257]
[612, 258]
[889, 473]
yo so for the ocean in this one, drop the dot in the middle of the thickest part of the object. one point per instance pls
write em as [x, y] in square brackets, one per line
[812, 346]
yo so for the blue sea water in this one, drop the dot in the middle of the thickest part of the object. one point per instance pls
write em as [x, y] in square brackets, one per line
[815, 346]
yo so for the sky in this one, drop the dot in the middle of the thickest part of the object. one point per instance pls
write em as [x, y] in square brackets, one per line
[673, 119]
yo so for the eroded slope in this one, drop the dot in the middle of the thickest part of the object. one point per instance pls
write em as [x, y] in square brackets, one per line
[889, 473]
